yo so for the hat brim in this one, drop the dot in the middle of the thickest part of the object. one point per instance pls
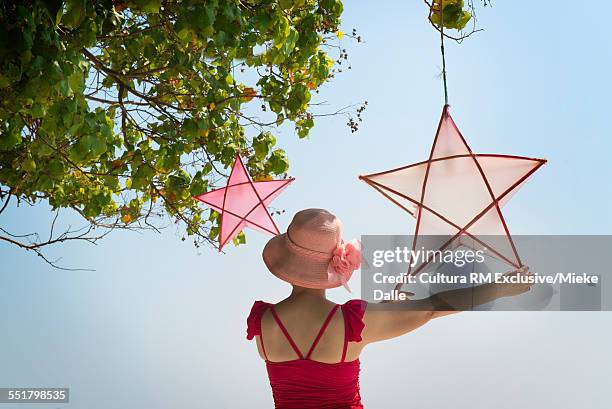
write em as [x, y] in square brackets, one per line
[296, 268]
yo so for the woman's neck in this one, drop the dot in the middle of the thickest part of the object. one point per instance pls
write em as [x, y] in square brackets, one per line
[302, 292]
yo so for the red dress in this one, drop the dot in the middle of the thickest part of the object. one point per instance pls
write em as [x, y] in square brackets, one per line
[306, 384]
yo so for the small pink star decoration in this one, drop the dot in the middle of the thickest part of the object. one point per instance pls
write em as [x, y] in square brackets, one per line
[457, 193]
[243, 203]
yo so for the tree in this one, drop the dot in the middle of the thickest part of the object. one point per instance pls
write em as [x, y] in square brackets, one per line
[123, 110]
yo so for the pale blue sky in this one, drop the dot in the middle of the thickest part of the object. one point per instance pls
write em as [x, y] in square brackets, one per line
[159, 324]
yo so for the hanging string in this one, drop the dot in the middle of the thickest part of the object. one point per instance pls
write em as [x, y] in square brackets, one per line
[442, 50]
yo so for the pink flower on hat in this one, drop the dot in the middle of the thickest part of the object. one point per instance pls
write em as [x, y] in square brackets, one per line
[346, 258]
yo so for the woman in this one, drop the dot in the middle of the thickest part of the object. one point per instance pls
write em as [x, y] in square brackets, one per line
[311, 345]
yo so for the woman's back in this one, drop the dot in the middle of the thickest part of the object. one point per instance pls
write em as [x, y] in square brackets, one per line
[310, 351]
[303, 317]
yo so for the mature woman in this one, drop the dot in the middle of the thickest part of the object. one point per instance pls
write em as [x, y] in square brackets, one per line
[311, 345]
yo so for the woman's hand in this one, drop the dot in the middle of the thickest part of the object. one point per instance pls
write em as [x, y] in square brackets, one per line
[515, 282]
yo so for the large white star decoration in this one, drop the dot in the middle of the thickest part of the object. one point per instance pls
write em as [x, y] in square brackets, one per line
[457, 193]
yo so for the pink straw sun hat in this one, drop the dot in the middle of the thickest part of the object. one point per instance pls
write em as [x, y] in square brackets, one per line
[312, 253]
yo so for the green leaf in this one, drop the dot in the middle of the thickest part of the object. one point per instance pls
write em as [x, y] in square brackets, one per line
[65, 89]
[90, 146]
[198, 186]
[56, 168]
[149, 6]
[239, 239]
[202, 16]
[190, 129]
[54, 7]
[278, 162]
[207, 168]
[45, 182]
[262, 144]
[9, 139]
[76, 82]
[38, 110]
[453, 14]
[75, 13]
[28, 165]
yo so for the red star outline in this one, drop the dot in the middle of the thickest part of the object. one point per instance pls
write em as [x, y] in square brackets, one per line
[244, 219]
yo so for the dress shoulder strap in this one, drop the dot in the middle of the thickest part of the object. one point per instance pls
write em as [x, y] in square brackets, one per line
[282, 327]
[322, 330]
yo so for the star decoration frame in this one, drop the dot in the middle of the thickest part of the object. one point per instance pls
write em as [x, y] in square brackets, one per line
[457, 193]
[243, 203]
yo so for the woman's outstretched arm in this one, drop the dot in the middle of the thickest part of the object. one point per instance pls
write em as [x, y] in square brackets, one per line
[392, 319]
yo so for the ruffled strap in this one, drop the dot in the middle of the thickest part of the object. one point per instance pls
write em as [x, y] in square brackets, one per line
[254, 318]
[353, 312]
